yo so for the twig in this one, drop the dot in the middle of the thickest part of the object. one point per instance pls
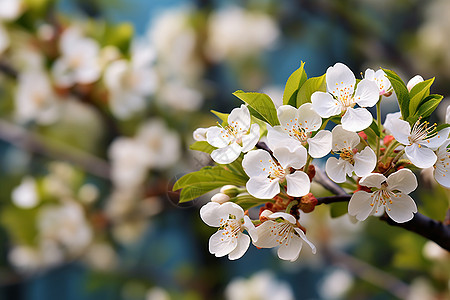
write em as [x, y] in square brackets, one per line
[322, 179]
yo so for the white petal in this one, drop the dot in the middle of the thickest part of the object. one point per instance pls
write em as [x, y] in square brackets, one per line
[267, 235]
[230, 208]
[340, 76]
[436, 141]
[287, 115]
[4, 39]
[403, 180]
[413, 81]
[298, 184]
[249, 140]
[277, 138]
[243, 241]
[336, 169]
[227, 154]
[421, 157]
[320, 144]
[359, 205]
[257, 163]
[365, 162]
[221, 244]
[367, 93]
[288, 217]
[200, 134]
[217, 137]
[210, 214]
[382, 81]
[263, 187]
[325, 105]
[373, 180]
[401, 130]
[308, 118]
[295, 158]
[290, 248]
[369, 74]
[250, 227]
[388, 124]
[344, 139]
[402, 208]
[447, 115]
[356, 119]
[441, 173]
[240, 118]
[303, 236]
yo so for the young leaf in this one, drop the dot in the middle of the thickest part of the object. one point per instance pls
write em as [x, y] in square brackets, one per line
[419, 92]
[310, 86]
[374, 127]
[401, 91]
[222, 116]
[293, 84]
[192, 192]
[262, 104]
[203, 146]
[429, 104]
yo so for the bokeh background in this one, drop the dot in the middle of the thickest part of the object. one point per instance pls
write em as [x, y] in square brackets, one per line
[98, 102]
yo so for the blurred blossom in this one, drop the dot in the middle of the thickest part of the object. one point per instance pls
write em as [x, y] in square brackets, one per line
[157, 293]
[35, 99]
[130, 231]
[121, 203]
[433, 251]
[101, 256]
[236, 33]
[335, 284]
[421, 289]
[261, 286]
[275, 93]
[10, 9]
[67, 225]
[29, 259]
[58, 183]
[179, 96]
[88, 193]
[131, 82]
[4, 39]
[26, 195]
[79, 60]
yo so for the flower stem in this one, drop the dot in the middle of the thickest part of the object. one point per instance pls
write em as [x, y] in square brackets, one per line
[308, 162]
[290, 205]
[379, 126]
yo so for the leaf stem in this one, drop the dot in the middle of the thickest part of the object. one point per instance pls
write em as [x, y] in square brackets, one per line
[290, 205]
[379, 126]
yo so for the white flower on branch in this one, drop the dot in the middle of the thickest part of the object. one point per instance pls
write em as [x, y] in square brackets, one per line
[350, 160]
[281, 230]
[267, 173]
[229, 239]
[390, 195]
[238, 136]
[380, 78]
[341, 97]
[296, 129]
[442, 165]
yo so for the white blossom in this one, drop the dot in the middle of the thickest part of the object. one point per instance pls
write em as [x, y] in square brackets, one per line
[380, 78]
[413, 81]
[442, 165]
[26, 194]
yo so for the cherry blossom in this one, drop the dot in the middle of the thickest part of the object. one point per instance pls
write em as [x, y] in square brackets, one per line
[281, 230]
[341, 97]
[344, 144]
[380, 78]
[413, 81]
[419, 141]
[296, 129]
[267, 173]
[229, 239]
[390, 195]
[442, 165]
[238, 136]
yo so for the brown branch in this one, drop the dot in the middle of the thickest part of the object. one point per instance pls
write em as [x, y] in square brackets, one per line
[322, 179]
[422, 225]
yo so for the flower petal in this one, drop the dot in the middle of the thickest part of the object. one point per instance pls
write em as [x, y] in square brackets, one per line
[288, 217]
[267, 235]
[257, 163]
[402, 208]
[227, 154]
[239, 118]
[365, 162]
[320, 144]
[337, 169]
[344, 139]
[373, 180]
[436, 141]
[290, 247]
[295, 158]
[221, 244]
[360, 205]
[277, 138]
[217, 137]
[413, 81]
[230, 208]
[249, 140]
[303, 236]
[298, 184]
[325, 105]
[401, 130]
[403, 180]
[441, 173]
[211, 214]
[339, 77]
[243, 242]
[308, 118]
[250, 227]
[421, 157]
[388, 124]
[287, 115]
[367, 93]
[356, 119]
[263, 187]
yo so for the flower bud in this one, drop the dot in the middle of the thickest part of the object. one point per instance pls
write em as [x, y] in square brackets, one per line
[264, 216]
[220, 198]
[229, 190]
[200, 134]
[413, 81]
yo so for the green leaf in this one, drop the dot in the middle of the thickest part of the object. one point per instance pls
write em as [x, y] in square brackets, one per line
[222, 116]
[417, 93]
[192, 192]
[374, 127]
[429, 104]
[338, 209]
[20, 223]
[310, 86]
[442, 126]
[262, 104]
[203, 146]
[247, 201]
[293, 84]
[401, 91]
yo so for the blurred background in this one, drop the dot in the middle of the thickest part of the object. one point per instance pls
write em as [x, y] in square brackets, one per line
[98, 102]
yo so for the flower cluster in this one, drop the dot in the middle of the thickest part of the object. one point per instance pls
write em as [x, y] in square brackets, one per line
[266, 153]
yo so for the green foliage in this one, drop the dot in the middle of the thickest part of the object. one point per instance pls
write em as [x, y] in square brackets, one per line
[419, 92]
[202, 146]
[293, 84]
[310, 86]
[119, 35]
[20, 223]
[338, 209]
[247, 201]
[401, 91]
[426, 108]
[261, 104]
[222, 116]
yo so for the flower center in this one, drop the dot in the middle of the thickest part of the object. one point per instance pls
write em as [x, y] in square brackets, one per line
[285, 233]
[230, 227]
[276, 171]
[421, 132]
[382, 197]
[234, 132]
[347, 155]
[344, 95]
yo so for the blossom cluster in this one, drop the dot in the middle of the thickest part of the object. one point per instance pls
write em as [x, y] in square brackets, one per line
[265, 156]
